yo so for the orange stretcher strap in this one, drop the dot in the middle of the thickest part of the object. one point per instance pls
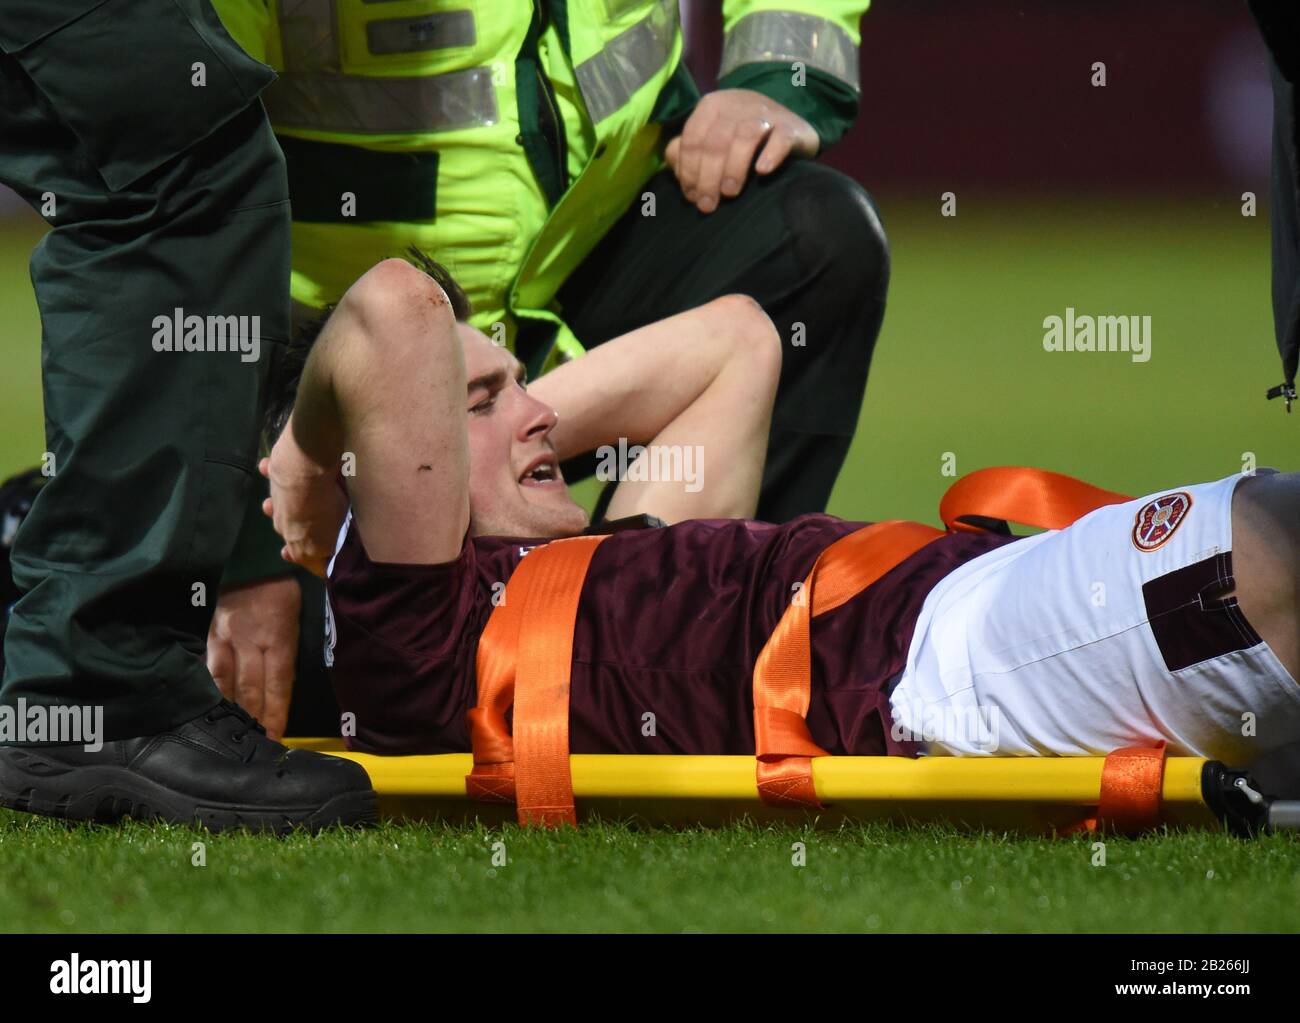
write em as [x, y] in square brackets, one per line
[493, 775]
[526, 653]
[1132, 780]
[1031, 497]
[783, 673]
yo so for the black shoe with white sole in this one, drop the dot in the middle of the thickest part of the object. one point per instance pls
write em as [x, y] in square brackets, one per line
[219, 770]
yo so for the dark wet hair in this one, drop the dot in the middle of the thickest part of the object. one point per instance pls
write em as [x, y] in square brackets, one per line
[289, 360]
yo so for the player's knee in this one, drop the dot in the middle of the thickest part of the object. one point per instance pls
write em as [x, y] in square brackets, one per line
[838, 235]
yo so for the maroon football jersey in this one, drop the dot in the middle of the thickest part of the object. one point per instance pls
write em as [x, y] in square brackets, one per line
[670, 623]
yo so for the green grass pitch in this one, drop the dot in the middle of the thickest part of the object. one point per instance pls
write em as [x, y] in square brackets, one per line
[402, 878]
[960, 373]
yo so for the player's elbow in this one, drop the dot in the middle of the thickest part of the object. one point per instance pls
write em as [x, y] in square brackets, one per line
[399, 311]
[753, 337]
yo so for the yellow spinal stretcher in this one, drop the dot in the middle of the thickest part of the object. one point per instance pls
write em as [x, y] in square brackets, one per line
[1034, 795]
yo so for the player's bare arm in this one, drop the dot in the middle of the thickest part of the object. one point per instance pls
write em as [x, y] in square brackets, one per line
[409, 398]
[384, 386]
[705, 378]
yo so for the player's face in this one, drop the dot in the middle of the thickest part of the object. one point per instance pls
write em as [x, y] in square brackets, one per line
[515, 486]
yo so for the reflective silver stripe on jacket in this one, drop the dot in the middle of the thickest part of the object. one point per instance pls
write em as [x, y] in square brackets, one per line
[627, 61]
[312, 92]
[381, 106]
[786, 37]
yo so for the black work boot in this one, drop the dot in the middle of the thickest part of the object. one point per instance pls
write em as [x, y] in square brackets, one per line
[219, 770]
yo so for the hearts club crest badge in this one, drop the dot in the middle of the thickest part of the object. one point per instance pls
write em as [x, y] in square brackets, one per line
[1158, 520]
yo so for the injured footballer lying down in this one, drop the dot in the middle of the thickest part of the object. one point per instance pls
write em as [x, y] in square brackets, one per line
[1174, 617]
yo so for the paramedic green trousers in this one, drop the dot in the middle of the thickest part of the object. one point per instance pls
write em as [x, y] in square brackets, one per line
[134, 128]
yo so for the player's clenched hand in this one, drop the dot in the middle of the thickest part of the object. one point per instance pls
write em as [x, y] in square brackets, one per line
[307, 504]
[252, 647]
[713, 154]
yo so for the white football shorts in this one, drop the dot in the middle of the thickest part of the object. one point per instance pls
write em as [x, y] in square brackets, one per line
[1110, 633]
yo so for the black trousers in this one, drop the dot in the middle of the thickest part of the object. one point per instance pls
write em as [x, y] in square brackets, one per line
[134, 127]
[1285, 189]
[807, 244]
[1279, 24]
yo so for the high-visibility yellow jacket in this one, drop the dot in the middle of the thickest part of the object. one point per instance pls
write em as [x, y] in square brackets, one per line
[504, 143]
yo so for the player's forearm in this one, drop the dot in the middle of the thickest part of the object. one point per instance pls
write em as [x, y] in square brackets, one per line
[316, 422]
[389, 352]
[303, 467]
[634, 386]
[714, 450]
[396, 370]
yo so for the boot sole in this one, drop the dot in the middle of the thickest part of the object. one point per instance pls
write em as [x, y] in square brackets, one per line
[107, 794]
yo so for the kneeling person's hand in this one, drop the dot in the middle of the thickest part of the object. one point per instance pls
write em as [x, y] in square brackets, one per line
[253, 646]
[713, 154]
